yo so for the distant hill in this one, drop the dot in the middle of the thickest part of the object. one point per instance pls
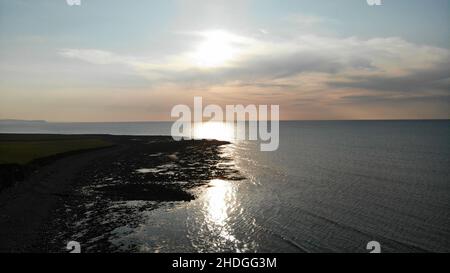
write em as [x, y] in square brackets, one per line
[9, 121]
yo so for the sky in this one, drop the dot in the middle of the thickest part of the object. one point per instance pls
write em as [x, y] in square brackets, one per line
[112, 60]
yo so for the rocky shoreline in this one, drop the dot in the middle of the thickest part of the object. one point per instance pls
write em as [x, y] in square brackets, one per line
[89, 195]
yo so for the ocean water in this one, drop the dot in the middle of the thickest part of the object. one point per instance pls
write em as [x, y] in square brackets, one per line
[332, 186]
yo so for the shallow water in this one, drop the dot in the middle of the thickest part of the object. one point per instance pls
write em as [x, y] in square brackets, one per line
[331, 186]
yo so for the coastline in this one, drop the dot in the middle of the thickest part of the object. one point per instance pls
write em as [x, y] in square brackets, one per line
[40, 213]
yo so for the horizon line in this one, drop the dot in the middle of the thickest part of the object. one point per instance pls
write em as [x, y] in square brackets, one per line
[281, 120]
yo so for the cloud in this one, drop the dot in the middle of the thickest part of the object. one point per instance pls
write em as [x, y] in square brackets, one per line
[435, 77]
[391, 98]
[97, 56]
[319, 69]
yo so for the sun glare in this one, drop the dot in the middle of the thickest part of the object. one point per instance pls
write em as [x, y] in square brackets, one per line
[214, 130]
[215, 50]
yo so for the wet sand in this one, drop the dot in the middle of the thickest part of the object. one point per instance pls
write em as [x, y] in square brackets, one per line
[86, 196]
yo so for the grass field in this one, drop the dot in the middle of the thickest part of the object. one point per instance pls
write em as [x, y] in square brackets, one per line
[22, 149]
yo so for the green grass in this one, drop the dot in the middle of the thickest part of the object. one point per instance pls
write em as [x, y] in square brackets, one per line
[22, 149]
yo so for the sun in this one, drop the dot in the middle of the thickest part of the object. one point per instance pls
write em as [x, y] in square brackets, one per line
[215, 50]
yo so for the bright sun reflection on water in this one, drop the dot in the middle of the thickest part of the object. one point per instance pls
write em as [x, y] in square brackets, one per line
[214, 130]
[220, 198]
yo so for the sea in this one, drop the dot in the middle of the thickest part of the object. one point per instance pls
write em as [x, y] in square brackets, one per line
[331, 186]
